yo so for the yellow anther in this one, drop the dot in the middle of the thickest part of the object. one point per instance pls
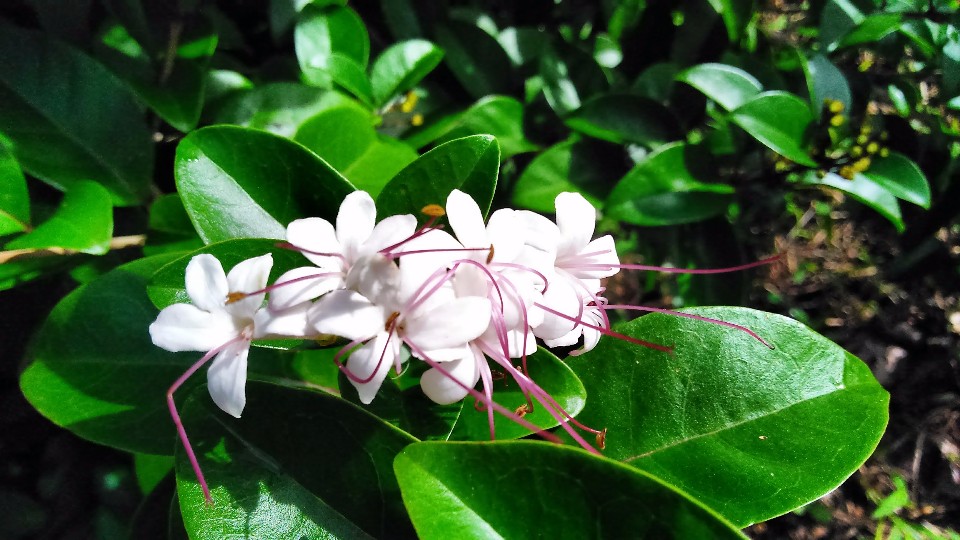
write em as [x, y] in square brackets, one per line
[873, 148]
[837, 120]
[391, 321]
[602, 439]
[862, 139]
[490, 255]
[861, 164]
[884, 152]
[409, 102]
[847, 172]
[856, 151]
[523, 410]
[836, 106]
[433, 210]
[235, 297]
[416, 120]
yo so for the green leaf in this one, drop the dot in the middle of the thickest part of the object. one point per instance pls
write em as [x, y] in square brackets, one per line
[666, 189]
[656, 82]
[825, 81]
[93, 369]
[401, 67]
[299, 464]
[625, 118]
[470, 164]
[167, 284]
[277, 107]
[476, 59]
[838, 17]
[18, 271]
[873, 28]
[500, 116]
[736, 16]
[780, 121]
[728, 86]
[566, 166]
[866, 191]
[151, 470]
[570, 76]
[470, 490]
[322, 33]
[63, 112]
[170, 227]
[345, 138]
[242, 183]
[903, 178]
[83, 222]
[14, 199]
[751, 432]
[351, 76]
[551, 374]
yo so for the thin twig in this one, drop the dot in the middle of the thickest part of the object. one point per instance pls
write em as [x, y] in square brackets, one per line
[119, 242]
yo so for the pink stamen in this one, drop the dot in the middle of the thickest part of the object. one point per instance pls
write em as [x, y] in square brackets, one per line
[525, 268]
[607, 331]
[288, 245]
[669, 270]
[398, 254]
[181, 431]
[751, 333]
[291, 282]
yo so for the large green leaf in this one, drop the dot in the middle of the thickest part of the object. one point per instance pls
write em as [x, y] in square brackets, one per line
[170, 228]
[750, 431]
[402, 66]
[566, 166]
[14, 199]
[299, 464]
[323, 33]
[872, 28]
[730, 87]
[736, 16]
[666, 188]
[903, 178]
[345, 138]
[83, 222]
[500, 116]
[476, 59]
[276, 107]
[242, 183]
[470, 164]
[539, 490]
[550, 373]
[570, 77]
[780, 121]
[825, 81]
[625, 118]
[70, 119]
[865, 190]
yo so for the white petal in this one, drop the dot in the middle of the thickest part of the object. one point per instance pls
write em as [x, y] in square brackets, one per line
[292, 322]
[577, 219]
[317, 236]
[561, 297]
[539, 232]
[290, 292]
[347, 314]
[466, 220]
[355, 222]
[378, 354]
[246, 277]
[602, 251]
[450, 325]
[442, 389]
[570, 338]
[227, 378]
[504, 231]
[389, 231]
[377, 278]
[206, 283]
[184, 327]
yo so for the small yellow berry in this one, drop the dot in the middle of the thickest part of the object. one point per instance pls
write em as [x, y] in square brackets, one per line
[884, 152]
[416, 120]
[862, 139]
[856, 151]
[873, 147]
[837, 120]
[847, 172]
[861, 164]
[409, 102]
[836, 106]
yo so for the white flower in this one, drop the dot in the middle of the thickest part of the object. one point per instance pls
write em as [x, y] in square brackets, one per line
[335, 251]
[224, 318]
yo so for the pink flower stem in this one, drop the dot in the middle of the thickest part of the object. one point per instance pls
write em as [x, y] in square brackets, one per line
[669, 270]
[608, 332]
[181, 431]
[751, 333]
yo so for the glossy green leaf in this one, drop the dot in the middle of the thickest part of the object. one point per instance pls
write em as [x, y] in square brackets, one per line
[500, 116]
[93, 369]
[345, 138]
[470, 164]
[523, 45]
[825, 81]
[470, 490]
[867, 192]
[570, 77]
[14, 199]
[83, 222]
[277, 107]
[667, 188]
[167, 287]
[625, 118]
[322, 33]
[656, 82]
[241, 183]
[351, 76]
[170, 227]
[299, 464]
[18, 271]
[903, 178]
[550, 373]
[476, 59]
[730, 87]
[566, 166]
[150, 470]
[873, 28]
[780, 121]
[401, 67]
[63, 112]
[751, 432]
